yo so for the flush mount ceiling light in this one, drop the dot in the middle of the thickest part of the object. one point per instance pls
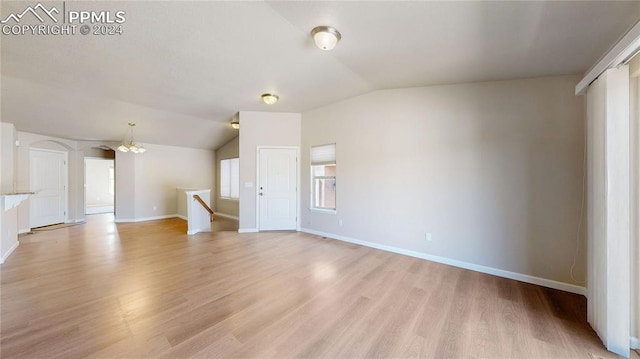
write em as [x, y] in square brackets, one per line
[270, 98]
[235, 124]
[131, 145]
[325, 37]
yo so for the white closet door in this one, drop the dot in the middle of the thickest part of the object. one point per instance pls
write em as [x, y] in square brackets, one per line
[48, 178]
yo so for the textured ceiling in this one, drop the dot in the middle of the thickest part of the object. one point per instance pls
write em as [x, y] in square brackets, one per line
[181, 70]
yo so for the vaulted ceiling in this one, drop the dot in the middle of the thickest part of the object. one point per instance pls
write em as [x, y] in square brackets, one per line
[181, 70]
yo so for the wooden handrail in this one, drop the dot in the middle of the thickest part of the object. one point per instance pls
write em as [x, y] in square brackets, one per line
[204, 204]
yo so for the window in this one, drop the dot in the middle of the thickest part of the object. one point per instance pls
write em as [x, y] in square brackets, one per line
[323, 177]
[230, 178]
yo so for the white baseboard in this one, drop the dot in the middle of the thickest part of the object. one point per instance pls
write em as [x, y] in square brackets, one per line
[23, 231]
[226, 216]
[635, 343]
[456, 263]
[248, 230]
[6, 255]
[134, 220]
[216, 213]
[71, 221]
[173, 216]
[99, 209]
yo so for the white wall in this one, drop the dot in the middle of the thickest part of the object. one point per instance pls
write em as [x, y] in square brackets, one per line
[7, 161]
[8, 219]
[492, 170]
[226, 206]
[150, 180]
[260, 129]
[97, 182]
[125, 207]
[8, 230]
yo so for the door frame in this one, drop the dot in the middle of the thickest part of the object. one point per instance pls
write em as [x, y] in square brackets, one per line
[65, 180]
[257, 187]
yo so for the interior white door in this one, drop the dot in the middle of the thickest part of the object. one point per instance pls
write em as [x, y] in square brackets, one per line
[48, 180]
[277, 189]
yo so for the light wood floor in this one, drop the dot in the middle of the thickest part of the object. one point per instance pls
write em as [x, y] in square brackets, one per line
[102, 290]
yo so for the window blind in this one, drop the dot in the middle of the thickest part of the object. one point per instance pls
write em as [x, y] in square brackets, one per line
[230, 178]
[235, 178]
[323, 155]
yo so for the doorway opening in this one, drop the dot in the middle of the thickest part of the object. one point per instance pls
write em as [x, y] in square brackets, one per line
[99, 185]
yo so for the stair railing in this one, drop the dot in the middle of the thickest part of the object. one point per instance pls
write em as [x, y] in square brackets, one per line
[204, 204]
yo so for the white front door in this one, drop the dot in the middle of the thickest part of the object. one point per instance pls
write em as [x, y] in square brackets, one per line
[49, 181]
[277, 189]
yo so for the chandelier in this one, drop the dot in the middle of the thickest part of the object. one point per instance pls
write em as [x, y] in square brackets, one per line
[131, 145]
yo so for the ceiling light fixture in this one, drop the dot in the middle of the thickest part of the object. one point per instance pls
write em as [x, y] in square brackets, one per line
[270, 98]
[325, 37]
[131, 146]
[235, 124]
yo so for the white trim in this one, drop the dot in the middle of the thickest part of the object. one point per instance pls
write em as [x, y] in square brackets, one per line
[635, 343]
[460, 264]
[298, 187]
[248, 230]
[226, 216]
[89, 210]
[624, 48]
[6, 255]
[23, 231]
[182, 217]
[146, 219]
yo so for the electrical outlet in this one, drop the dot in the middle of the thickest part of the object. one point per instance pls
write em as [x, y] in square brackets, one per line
[427, 236]
[340, 223]
[155, 208]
